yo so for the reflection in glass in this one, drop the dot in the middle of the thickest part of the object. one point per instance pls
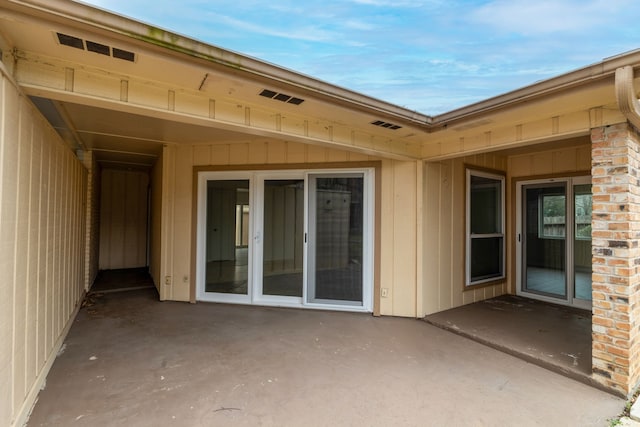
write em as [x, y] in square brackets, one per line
[339, 226]
[227, 236]
[545, 244]
[486, 205]
[582, 240]
[486, 258]
[283, 237]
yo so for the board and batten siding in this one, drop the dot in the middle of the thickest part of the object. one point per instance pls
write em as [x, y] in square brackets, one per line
[155, 228]
[399, 207]
[444, 234]
[123, 219]
[566, 160]
[92, 240]
[42, 248]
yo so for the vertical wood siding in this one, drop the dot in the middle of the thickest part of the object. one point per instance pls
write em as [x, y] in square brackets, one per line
[123, 219]
[42, 242]
[155, 240]
[92, 240]
[556, 162]
[444, 234]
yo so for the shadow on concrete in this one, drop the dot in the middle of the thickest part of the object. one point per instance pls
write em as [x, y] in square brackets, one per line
[126, 279]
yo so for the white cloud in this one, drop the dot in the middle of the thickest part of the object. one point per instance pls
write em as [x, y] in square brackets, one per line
[307, 33]
[541, 17]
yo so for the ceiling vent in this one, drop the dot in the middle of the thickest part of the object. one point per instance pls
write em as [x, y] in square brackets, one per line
[387, 125]
[281, 97]
[99, 48]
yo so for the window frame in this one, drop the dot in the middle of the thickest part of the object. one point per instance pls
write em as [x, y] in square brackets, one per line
[469, 237]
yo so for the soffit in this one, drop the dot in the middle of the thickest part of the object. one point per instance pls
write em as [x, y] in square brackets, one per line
[553, 110]
[41, 62]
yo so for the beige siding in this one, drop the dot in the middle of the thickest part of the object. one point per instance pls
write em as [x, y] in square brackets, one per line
[444, 234]
[398, 238]
[42, 257]
[156, 223]
[399, 206]
[551, 162]
[92, 240]
[123, 219]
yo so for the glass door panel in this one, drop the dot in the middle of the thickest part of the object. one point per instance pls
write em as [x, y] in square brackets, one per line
[283, 238]
[582, 202]
[227, 236]
[544, 240]
[336, 227]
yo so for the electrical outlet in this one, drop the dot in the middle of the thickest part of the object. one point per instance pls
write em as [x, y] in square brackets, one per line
[384, 292]
[167, 280]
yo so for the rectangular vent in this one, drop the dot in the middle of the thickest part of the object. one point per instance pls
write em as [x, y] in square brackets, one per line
[123, 54]
[386, 125]
[70, 41]
[98, 48]
[281, 97]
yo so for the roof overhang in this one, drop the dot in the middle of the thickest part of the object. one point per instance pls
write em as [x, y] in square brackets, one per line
[199, 93]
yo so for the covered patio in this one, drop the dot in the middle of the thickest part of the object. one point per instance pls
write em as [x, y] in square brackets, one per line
[131, 360]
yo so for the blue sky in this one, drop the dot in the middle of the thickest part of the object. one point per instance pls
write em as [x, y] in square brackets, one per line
[431, 56]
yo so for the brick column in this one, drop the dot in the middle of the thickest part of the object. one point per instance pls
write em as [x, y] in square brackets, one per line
[615, 171]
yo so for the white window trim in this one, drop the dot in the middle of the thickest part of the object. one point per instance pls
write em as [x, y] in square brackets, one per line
[468, 236]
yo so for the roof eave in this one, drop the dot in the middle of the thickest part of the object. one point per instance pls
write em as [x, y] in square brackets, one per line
[596, 72]
[183, 45]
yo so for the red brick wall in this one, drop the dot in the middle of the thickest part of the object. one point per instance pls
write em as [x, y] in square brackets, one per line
[616, 256]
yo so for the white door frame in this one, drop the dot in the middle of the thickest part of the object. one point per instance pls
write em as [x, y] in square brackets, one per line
[255, 250]
[259, 298]
[569, 183]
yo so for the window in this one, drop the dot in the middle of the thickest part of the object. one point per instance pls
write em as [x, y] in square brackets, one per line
[485, 249]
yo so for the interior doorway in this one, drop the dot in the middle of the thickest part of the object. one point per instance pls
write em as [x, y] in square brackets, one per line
[554, 240]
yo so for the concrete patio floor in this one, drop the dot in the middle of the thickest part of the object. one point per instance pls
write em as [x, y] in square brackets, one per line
[552, 336]
[130, 360]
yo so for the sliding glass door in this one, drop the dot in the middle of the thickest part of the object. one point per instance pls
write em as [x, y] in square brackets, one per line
[280, 238]
[336, 226]
[288, 238]
[554, 240]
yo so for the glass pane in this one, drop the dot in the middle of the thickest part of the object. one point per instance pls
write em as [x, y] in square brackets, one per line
[486, 258]
[338, 238]
[227, 238]
[553, 216]
[544, 242]
[582, 241]
[486, 205]
[283, 237]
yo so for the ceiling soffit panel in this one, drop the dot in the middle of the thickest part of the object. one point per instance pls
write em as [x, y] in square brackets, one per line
[229, 109]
